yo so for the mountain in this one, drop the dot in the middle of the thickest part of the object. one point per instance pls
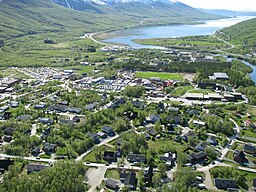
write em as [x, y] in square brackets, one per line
[242, 35]
[74, 17]
[144, 9]
[228, 13]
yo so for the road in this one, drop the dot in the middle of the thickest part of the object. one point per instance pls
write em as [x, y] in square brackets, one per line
[28, 158]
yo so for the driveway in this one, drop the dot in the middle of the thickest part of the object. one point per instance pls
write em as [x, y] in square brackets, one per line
[95, 177]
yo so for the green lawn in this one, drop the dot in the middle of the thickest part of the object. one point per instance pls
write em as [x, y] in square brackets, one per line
[161, 75]
[112, 173]
[9, 72]
[179, 91]
[45, 156]
[248, 133]
[230, 155]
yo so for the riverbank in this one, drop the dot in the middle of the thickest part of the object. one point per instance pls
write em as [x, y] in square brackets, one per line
[127, 35]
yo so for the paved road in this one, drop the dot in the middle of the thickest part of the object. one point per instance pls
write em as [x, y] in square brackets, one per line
[27, 158]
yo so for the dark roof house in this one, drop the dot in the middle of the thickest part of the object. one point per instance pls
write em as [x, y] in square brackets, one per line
[35, 167]
[136, 158]
[225, 183]
[129, 179]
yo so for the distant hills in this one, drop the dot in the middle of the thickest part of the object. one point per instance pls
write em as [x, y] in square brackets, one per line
[228, 13]
[243, 35]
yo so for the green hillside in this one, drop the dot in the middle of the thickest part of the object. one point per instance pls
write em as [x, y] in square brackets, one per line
[25, 24]
[242, 35]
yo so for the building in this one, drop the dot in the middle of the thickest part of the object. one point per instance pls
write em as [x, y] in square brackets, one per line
[4, 164]
[109, 156]
[49, 148]
[201, 146]
[225, 183]
[35, 167]
[108, 130]
[129, 179]
[212, 140]
[112, 184]
[240, 157]
[200, 158]
[136, 158]
[249, 149]
[219, 76]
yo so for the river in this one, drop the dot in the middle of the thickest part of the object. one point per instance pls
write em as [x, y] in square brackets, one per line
[126, 36]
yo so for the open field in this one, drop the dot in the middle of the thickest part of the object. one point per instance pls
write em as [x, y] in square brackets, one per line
[161, 75]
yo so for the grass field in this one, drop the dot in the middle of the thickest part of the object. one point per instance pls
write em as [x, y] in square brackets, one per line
[111, 173]
[248, 133]
[161, 75]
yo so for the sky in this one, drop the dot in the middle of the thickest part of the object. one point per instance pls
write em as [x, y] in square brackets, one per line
[243, 5]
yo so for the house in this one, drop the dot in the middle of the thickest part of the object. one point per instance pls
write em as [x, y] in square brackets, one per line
[239, 157]
[9, 131]
[119, 142]
[3, 109]
[147, 136]
[169, 159]
[152, 131]
[153, 118]
[138, 104]
[7, 138]
[108, 130]
[249, 149]
[136, 158]
[201, 146]
[58, 108]
[112, 184]
[47, 121]
[40, 106]
[169, 128]
[91, 106]
[5, 115]
[24, 117]
[198, 123]
[66, 121]
[36, 151]
[118, 152]
[148, 175]
[49, 148]
[129, 179]
[117, 103]
[225, 183]
[31, 167]
[102, 135]
[76, 119]
[75, 110]
[4, 164]
[254, 184]
[212, 140]
[14, 104]
[109, 156]
[95, 137]
[199, 158]
[188, 135]
[174, 119]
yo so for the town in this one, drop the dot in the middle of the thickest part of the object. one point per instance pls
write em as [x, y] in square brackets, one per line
[134, 127]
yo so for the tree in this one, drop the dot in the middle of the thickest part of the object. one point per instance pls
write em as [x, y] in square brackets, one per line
[156, 180]
[162, 168]
[211, 153]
